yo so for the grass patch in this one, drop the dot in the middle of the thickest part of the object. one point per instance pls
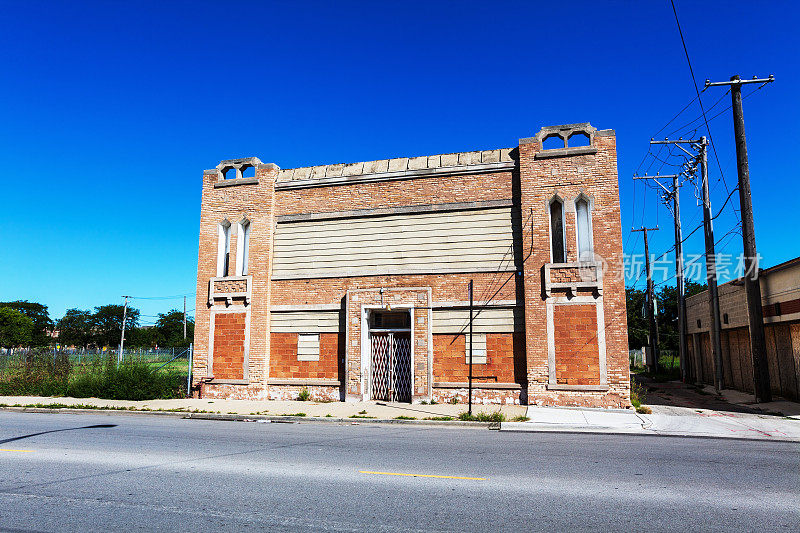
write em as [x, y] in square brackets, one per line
[403, 417]
[439, 418]
[520, 418]
[496, 416]
[294, 414]
[360, 416]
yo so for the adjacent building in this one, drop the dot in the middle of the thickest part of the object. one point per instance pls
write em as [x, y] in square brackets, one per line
[780, 294]
[351, 281]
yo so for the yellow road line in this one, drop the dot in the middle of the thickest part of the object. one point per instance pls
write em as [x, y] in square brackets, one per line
[421, 475]
[22, 451]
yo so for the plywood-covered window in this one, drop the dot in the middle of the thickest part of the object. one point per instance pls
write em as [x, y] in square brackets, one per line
[243, 248]
[583, 219]
[308, 347]
[223, 248]
[478, 348]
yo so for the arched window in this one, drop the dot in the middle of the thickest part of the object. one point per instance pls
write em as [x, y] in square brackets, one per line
[557, 248]
[223, 248]
[583, 219]
[242, 248]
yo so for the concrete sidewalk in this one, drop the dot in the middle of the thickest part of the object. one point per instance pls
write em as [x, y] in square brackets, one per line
[665, 420]
[339, 410]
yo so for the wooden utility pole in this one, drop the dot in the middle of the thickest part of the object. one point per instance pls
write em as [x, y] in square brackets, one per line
[711, 267]
[674, 194]
[758, 346]
[651, 319]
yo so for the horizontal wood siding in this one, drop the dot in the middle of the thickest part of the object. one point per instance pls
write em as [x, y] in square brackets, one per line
[304, 321]
[487, 321]
[465, 241]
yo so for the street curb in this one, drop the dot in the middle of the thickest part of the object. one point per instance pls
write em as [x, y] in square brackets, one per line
[249, 418]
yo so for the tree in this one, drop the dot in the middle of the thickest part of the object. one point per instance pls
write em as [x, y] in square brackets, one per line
[169, 329]
[42, 324]
[668, 312]
[637, 324]
[107, 324]
[75, 328]
[16, 329]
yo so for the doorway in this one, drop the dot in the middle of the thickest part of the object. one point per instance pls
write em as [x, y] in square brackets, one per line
[390, 355]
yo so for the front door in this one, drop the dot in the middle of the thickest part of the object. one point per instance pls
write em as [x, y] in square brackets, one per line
[390, 361]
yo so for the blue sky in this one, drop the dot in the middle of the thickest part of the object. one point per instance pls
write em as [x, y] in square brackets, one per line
[109, 112]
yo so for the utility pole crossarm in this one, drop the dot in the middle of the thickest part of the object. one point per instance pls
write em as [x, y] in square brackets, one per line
[735, 80]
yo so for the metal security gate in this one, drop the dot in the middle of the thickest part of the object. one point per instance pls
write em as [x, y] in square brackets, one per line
[391, 367]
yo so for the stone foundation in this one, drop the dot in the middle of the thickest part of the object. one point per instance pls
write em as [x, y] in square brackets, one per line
[479, 396]
[292, 392]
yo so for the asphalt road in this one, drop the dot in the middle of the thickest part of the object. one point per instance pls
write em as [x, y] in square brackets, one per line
[159, 473]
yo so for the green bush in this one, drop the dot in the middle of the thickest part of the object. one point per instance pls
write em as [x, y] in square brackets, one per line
[304, 395]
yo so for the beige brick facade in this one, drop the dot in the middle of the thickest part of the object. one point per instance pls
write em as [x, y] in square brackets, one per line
[333, 248]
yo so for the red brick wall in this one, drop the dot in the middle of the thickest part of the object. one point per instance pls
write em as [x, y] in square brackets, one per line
[577, 356]
[283, 361]
[449, 357]
[229, 332]
[471, 188]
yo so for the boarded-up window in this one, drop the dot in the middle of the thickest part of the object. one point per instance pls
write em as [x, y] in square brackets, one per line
[584, 230]
[457, 241]
[478, 349]
[308, 347]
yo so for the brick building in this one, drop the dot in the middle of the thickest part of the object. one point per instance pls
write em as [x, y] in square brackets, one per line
[780, 300]
[350, 280]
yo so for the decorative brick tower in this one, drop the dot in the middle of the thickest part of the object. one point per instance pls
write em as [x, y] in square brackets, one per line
[232, 332]
[575, 318]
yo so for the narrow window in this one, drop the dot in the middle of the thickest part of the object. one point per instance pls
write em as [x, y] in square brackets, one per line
[585, 252]
[308, 347]
[478, 348]
[557, 230]
[223, 249]
[242, 248]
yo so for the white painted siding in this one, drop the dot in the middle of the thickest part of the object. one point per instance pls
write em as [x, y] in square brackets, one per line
[478, 349]
[308, 347]
[461, 241]
[489, 320]
[304, 322]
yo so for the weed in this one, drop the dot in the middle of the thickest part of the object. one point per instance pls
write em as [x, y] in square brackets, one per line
[454, 400]
[329, 415]
[433, 402]
[294, 414]
[403, 417]
[363, 412]
[304, 395]
[439, 418]
[496, 416]
[520, 418]
[360, 416]
[424, 402]
[643, 409]
[637, 393]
